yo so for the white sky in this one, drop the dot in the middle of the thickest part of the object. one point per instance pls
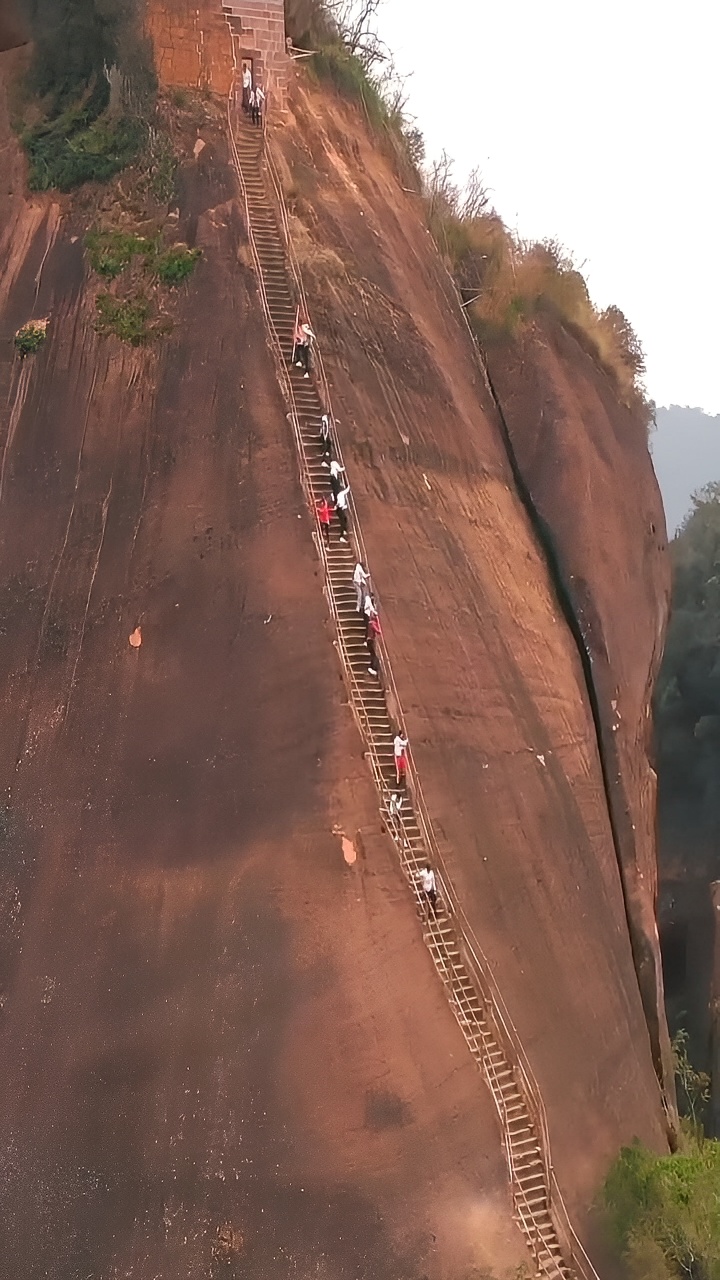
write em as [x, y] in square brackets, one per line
[596, 124]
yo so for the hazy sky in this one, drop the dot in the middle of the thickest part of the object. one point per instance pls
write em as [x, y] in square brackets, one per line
[598, 125]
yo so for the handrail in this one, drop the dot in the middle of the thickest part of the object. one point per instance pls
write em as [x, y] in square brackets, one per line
[478, 960]
[475, 959]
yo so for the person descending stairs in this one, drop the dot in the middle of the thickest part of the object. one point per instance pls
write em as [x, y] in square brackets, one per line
[528, 1159]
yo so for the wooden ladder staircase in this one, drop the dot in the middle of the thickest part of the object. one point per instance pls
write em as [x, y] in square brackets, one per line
[524, 1144]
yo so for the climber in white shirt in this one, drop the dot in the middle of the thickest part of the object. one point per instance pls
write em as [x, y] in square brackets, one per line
[361, 582]
[429, 888]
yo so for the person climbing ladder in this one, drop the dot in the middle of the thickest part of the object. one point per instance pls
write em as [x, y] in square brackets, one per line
[324, 515]
[400, 746]
[341, 506]
[303, 338]
[257, 102]
[336, 471]
[373, 635]
[246, 87]
[429, 888]
[361, 583]
[325, 439]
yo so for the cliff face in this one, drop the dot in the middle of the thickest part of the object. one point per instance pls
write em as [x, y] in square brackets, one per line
[226, 1051]
[584, 459]
[224, 1047]
[488, 667]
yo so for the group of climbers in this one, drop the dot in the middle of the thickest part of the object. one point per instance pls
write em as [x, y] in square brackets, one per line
[426, 877]
[303, 338]
[366, 608]
[253, 97]
[337, 500]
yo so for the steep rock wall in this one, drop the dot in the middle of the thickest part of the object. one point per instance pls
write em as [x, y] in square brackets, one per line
[488, 671]
[584, 458]
[228, 1050]
[224, 1049]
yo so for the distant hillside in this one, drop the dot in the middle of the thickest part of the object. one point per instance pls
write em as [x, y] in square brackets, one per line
[686, 455]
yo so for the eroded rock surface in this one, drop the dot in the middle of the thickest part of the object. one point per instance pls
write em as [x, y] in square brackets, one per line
[225, 1049]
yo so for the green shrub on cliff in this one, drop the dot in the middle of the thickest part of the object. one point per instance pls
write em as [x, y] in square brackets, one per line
[348, 52]
[176, 264]
[64, 153]
[73, 41]
[93, 87]
[346, 72]
[111, 252]
[664, 1212]
[30, 338]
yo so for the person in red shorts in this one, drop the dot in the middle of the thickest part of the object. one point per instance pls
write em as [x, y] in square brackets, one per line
[324, 515]
[400, 745]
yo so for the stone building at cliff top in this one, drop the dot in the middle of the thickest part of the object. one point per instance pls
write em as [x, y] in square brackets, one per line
[191, 44]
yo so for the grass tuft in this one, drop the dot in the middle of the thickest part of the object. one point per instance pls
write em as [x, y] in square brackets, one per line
[129, 319]
[111, 251]
[175, 265]
[348, 75]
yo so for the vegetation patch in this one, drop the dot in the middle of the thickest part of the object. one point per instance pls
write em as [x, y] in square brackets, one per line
[130, 319]
[349, 54]
[73, 149]
[505, 282]
[142, 268]
[175, 265]
[664, 1211]
[346, 72]
[687, 697]
[159, 164]
[30, 337]
[89, 91]
[110, 252]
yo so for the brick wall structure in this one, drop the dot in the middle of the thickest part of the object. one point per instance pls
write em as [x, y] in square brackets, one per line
[191, 43]
[203, 43]
[258, 29]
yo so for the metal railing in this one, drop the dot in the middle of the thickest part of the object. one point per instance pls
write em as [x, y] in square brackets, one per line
[477, 960]
[472, 954]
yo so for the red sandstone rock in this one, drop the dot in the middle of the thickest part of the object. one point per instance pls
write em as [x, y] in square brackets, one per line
[219, 1037]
